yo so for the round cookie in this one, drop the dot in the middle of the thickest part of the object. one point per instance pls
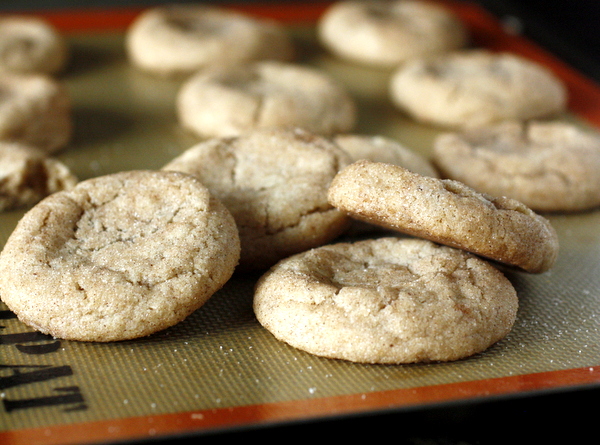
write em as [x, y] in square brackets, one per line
[35, 110]
[388, 33]
[381, 149]
[268, 94]
[30, 45]
[388, 300]
[548, 166]
[178, 40]
[384, 149]
[275, 184]
[447, 212]
[28, 175]
[474, 88]
[118, 257]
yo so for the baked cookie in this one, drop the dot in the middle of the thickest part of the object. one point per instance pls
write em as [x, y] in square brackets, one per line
[30, 45]
[478, 87]
[178, 40]
[27, 175]
[35, 110]
[275, 184]
[548, 166]
[447, 212]
[118, 256]
[381, 149]
[388, 33]
[388, 300]
[384, 149]
[268, 94]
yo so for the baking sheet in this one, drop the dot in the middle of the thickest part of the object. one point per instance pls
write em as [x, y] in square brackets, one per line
[219, 368]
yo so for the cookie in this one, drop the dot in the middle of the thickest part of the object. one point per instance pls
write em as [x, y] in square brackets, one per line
[269, 94]
[388, 300]
[29, 45]
[384, 149]
[447, 212]
[35, 109]
[27, 175]
[118, 257]
[178, 40]
[275, 184]
[548, 166]
[474, 88]
[388, 33]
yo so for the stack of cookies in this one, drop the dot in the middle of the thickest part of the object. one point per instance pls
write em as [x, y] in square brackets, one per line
[278, 176]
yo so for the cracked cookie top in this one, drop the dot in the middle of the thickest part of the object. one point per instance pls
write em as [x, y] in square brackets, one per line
[233, 100]
[118, 257]
[387, 300]
[548, 166]
[446, 211]
[275, 184]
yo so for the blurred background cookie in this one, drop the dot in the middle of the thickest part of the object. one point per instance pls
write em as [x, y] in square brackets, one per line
[31, 45]
[476, 87]
[548, 166]
[35, 109]
[385, 149]
[267, 94]
[387, 33]
[179, 39]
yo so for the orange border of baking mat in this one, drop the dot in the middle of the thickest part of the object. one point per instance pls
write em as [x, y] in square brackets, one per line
[486, 32]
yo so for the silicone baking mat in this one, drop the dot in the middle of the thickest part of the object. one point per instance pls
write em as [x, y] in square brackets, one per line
[220, 369]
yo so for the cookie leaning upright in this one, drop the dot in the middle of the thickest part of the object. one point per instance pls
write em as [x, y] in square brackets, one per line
[29, 175]
[118, 256]
[447, 212]
[35, 109]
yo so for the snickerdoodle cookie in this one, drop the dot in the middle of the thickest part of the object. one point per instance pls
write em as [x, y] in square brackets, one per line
[178, 40]
[447, 212]
[118, 256]
[27, 175]
[275, 184]
[387, 33]
[389, 300]
[31, 45]
[268, 94]
[548, 166]
[35, 109]
[477, 87]
[385, 149]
